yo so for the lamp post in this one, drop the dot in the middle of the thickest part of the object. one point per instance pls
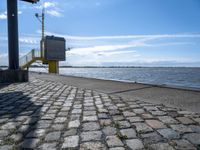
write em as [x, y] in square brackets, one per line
[42, 22]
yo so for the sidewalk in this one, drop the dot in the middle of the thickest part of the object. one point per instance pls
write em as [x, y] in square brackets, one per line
[179, 98]
[50, 114]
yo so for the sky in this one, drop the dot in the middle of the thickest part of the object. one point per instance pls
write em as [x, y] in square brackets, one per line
[112, 32]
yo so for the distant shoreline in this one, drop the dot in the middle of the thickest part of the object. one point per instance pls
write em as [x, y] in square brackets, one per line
[33, 66]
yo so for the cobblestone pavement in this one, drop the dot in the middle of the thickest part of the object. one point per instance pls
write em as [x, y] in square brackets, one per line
[49, 115]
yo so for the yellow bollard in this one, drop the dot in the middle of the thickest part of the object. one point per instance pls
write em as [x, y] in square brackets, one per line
[53, 66]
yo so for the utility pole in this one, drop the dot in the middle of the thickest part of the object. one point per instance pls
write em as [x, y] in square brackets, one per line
[13, 73]
[43, 30]
[13, 39]
[13, 45]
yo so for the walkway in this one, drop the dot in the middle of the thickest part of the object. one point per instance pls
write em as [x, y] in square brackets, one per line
[53, 115]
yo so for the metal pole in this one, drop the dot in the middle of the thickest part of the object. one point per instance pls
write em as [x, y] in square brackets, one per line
[43, 23]
[13, 45]
[42, 52]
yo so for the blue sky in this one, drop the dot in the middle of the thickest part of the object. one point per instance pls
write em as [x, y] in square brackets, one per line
[113, 32]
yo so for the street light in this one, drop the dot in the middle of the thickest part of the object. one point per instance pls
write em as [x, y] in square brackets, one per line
[41, 20]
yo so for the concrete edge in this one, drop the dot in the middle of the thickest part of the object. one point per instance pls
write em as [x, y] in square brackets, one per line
[127, 82]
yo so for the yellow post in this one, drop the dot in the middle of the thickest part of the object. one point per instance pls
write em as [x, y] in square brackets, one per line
[53, 66]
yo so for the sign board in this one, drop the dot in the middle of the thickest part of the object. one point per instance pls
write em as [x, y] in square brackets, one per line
[54, 48]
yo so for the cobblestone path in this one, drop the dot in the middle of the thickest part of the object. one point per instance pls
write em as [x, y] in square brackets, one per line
[49, 115]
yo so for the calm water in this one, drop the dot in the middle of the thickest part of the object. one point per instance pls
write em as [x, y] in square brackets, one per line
[186, 77]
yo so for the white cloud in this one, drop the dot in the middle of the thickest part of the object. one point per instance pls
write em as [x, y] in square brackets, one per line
[54, 13]
[49, 4]
[156, 36]
[132, 52]
[51, 8]
[29, 40]
[3, 15]
[99, 49]
[46, 5]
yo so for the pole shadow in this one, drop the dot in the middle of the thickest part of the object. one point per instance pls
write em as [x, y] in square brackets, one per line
[19, 114]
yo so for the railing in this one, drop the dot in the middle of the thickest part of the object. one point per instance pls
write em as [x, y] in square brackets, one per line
[29, 57]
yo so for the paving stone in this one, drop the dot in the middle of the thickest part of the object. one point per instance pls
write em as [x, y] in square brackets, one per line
[48, 146]
[139, 111]
[42, 125]
[36, 133]
[53, 136]
[118, 117]
[102, 110]
[172, 114]
[152, 137]
[129, 133]
[182, 145]
[114, 112]
[142, 127]
[74, 124]
[183, 112]
[109, 130]
[105, 122]
[158, 113]
[122, 124]
[185, 120]
[113, 141]
[70, 142]
[90, 126]
[150, 108]
[169, 133]
[195, 128]
[91, 135]
[117, 148]
[60, 120]
[4, 133]
[155, 124]
[134, 144]
[181, 128]
[30, 143]
[160, 146]
[6, 147]
[103, 116]
[62, 113]
[147, 116]
[70, 132]
[92, 146]
[89, 113]
[193, 138]
[89, 118]
[16, 137]
[57, 127]
[167, 120]
[135, 119]
[10, 126]
[76, 111]
[197, 120]
[75, 117]
[129, 114]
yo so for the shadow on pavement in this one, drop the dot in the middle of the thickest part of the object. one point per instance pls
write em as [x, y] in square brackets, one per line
[19, 114]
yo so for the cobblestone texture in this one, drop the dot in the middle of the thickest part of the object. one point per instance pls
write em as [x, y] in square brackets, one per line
[50, 115]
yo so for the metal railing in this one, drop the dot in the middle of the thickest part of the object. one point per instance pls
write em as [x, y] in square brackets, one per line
[29, 57]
